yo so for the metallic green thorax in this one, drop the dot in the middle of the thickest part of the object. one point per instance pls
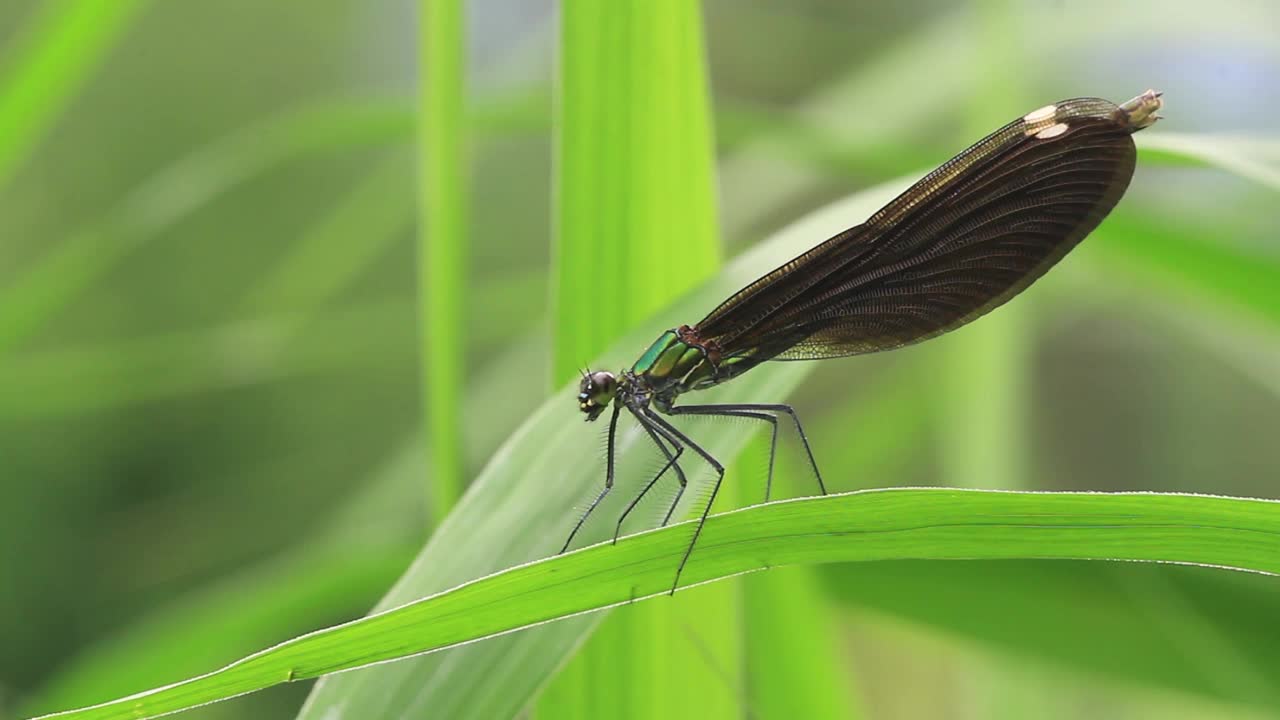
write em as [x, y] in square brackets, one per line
[676, 363]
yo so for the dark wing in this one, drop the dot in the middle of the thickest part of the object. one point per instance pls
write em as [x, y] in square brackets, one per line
[962, 241]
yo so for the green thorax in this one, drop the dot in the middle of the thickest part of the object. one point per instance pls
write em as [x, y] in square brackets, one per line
[672, 365]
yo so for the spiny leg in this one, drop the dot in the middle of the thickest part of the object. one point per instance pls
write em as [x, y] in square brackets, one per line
[672, 458]
[684, 483]
[608, 477]
[786, 409]
[722, 411]
[671, 430]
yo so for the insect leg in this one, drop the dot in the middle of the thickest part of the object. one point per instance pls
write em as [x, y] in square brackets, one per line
[672, 431]
[608, 476]
[732, 411]
[785, 409]
[672, 457]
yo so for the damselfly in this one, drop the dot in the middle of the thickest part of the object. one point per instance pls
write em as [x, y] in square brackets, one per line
[957, 244]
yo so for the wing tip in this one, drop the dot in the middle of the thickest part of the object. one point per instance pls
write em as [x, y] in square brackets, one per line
[1141, 111]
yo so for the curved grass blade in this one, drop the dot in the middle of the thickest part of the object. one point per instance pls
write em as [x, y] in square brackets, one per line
[1183, 265]
[1252, 157]
[909, 523]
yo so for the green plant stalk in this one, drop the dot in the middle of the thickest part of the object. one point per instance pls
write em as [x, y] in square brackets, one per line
[442, 239]
[63, 45]
[909, 523]
[635, 161]
[634, 164]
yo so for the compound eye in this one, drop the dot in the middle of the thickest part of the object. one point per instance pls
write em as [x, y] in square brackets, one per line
[602, 381]
[595, 392]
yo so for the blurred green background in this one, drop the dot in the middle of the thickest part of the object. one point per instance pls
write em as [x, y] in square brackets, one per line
[210, 376]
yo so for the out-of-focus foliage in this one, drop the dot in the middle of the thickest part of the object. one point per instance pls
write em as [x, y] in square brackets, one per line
[209, 372]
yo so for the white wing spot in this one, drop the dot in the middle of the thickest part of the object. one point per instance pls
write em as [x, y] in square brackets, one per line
[1052, 131]
[1038, 116]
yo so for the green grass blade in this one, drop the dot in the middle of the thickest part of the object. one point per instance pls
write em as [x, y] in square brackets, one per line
[1199, 264]
[1185, 264]
[910, 523]
[1253, 157]
[442, 239]
[55, 55]
[635, 165]
[635, 161]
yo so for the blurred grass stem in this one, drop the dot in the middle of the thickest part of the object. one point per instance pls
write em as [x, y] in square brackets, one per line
[442, 229]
